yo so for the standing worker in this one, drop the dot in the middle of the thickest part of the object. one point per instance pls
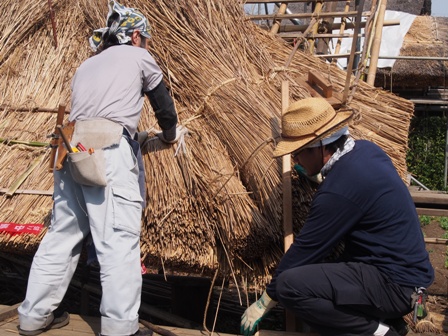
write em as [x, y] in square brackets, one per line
[98, 191]
[363, 202]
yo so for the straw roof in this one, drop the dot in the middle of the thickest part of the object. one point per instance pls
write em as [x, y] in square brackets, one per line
[427, 36]
[218, 202]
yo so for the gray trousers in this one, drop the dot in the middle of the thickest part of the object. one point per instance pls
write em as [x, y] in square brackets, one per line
[112, 215]
[342, 298]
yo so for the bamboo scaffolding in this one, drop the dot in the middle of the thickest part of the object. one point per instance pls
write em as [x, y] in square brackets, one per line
[277, 22]
[305, 15]
[337, 48]
[348, 25]
[376, 42]
[311, 38]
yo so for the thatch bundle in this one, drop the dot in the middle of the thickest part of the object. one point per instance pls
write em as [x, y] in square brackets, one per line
[219, 202]
[426, 37]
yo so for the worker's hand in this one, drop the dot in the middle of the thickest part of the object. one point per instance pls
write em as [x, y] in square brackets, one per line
[255, 313]
[180, 132]
[141, 137]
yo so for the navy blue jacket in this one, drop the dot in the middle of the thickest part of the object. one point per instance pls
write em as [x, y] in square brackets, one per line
[364, 202]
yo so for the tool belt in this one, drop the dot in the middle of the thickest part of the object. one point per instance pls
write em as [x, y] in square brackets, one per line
[90, 138]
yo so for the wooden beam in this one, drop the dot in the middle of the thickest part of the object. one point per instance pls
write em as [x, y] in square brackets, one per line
[31, 109]
[428, 197]
[315, 78]
[286, 179]
[9, 312]
[436, 241]
[432, 212]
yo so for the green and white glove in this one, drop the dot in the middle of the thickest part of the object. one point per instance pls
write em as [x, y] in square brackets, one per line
[255, 313]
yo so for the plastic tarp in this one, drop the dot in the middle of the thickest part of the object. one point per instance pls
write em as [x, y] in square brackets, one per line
[391, 39]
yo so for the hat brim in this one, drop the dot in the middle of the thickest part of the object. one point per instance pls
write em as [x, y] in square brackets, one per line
[289, 145]
[145, 34]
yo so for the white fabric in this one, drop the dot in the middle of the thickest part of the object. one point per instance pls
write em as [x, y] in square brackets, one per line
[112, 215]
[348, 146]
[333, 137]
[111, 84]
[382, 330]
[391, 38]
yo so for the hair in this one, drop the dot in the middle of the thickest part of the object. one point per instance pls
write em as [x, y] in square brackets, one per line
[337, 144]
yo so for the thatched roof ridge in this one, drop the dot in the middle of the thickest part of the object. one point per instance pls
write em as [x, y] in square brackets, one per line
[427, 36]
[220, 203]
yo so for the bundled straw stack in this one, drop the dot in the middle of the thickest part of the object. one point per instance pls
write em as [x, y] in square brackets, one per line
[427, 37]
[217, 202]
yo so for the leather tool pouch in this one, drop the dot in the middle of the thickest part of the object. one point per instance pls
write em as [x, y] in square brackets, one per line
[62, 150]
[89, 167]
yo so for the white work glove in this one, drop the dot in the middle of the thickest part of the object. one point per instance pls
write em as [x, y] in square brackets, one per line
[255, 313]
[180, 133]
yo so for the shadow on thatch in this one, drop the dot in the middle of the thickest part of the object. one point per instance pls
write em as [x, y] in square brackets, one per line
[219, 203]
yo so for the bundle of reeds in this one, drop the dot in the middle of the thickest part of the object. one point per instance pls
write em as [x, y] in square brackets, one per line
[426, 37]
[218, 204]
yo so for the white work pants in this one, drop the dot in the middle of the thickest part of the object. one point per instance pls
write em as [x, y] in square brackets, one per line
[112, 214]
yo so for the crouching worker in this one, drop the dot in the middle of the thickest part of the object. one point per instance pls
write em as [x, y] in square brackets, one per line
[363, 202]
[98, 190]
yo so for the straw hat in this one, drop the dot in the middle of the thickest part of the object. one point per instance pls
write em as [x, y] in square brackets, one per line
[307, 121]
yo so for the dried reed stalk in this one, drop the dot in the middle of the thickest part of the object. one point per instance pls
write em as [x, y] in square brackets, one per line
[220, 202]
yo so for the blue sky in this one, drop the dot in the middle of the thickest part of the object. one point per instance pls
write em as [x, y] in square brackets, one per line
[439, 8]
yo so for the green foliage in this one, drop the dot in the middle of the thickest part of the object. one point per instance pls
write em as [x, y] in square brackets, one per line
[446, 260]
[425, 220]
[426, 155]
[444, 223]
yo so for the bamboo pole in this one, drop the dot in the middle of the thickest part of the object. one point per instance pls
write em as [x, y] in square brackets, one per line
[316, 13]
[323, 43]
[376, 43]
[28, 192]
[297, 43]
[337, 49]
[304, 15]
[276, 25]
[348, 25]
[370, 32]
[362, 62]
[18, 182]
[352, 53]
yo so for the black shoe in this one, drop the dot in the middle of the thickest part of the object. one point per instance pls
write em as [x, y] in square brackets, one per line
[142, 332]
[399, 325]
[58, 322]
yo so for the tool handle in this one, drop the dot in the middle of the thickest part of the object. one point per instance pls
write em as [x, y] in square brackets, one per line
[55, 137]
[65, 139]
